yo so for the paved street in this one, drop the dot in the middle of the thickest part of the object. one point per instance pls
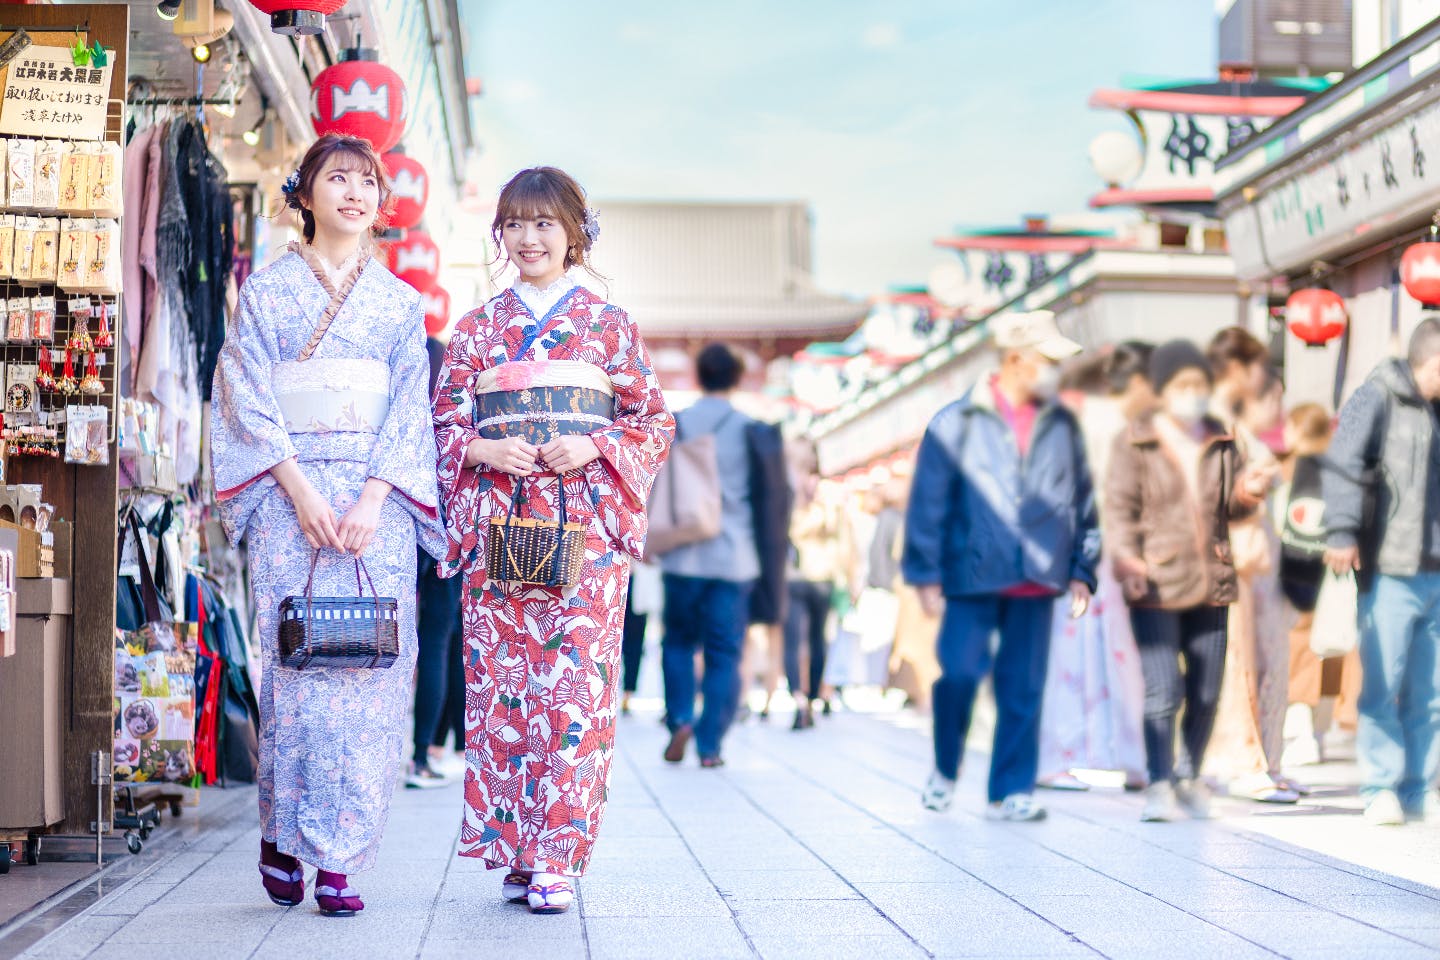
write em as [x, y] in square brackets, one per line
[814, 845]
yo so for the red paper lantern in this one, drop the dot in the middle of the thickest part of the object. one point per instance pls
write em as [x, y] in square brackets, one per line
[361, 98]
[1420, 272]
[298, 18]
[416, 260]
[1316, 316]
[436, 302]
[411, 190]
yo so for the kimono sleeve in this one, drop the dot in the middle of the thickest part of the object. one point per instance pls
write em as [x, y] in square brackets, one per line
[454, 423]
[247, 431]
[404, 454]
[635, 447]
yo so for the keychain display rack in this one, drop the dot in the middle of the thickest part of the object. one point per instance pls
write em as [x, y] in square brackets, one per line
[72, 353]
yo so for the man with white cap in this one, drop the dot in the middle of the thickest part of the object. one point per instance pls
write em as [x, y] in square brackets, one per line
[1001, 524]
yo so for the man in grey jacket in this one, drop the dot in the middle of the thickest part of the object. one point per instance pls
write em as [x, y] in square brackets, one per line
[1382, 511]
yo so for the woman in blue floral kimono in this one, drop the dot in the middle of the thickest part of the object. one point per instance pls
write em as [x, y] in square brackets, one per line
[321, 441]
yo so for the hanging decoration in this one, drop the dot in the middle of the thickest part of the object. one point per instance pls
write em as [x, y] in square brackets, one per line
[298, 18]
[416, 260]
[436, 303]
[410, 189]
[1420, 272]
[361, 98]
[1315, 315]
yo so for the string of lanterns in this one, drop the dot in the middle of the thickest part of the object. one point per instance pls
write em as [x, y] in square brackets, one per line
[1316, 315]
[361, 97]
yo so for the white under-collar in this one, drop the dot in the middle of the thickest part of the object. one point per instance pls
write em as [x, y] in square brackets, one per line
[541, 301]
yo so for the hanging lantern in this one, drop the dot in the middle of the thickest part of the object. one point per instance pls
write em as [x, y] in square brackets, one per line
[360, 97]
[1420, 272]
[416, 260]
[298, 18]
[436, 303]
[410, 190]
[1316, 316]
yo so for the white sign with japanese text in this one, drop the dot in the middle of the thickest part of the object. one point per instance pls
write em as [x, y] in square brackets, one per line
[47, 95]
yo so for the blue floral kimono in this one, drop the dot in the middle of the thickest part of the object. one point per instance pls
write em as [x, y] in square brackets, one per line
[331, 740]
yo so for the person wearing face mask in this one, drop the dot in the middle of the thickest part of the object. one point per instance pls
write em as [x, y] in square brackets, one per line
[1001, 523]
[1176, 480]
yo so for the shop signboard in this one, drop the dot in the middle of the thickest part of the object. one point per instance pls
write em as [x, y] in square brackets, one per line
[1181, 148]
[1391, 173]
[47, 95]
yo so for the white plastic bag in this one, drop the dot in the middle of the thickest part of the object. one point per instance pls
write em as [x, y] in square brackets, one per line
[1336, 629]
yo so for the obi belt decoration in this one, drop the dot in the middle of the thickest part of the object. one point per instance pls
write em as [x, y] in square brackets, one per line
[332, 396]
[541, 400]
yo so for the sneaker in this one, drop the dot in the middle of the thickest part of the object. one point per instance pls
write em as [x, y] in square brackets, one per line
[1194, 797]
[1384, 810]
[1018, 807]
[424, 778]
[1161, 806]
[939, 792]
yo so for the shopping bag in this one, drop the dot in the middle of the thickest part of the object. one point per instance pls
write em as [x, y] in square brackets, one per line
[1337, 612]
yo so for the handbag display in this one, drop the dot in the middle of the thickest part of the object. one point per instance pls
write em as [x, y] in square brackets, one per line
[358, 632]
[544, 553]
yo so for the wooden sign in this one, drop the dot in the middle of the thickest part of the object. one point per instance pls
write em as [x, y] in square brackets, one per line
[47, 95]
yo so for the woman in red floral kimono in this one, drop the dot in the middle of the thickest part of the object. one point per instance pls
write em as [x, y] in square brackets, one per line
[542, 663]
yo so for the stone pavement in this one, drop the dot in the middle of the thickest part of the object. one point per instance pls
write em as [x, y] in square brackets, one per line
[814, 845]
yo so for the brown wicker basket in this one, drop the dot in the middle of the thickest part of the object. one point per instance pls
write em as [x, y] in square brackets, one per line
[544, 553]
[356, 631]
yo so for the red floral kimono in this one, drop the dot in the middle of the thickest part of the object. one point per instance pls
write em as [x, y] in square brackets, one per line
[542, 663]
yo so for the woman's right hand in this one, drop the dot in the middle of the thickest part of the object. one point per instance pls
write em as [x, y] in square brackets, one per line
[1133, 574]
[317, 518]
[511, 455]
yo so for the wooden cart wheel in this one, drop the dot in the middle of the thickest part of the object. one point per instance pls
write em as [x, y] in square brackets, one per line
[32, 851]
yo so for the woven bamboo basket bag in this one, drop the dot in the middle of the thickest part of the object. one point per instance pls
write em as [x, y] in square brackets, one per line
[545, 553]
[356, 631]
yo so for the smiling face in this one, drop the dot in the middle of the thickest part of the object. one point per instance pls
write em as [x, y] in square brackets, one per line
[537, 246]
[344, 197]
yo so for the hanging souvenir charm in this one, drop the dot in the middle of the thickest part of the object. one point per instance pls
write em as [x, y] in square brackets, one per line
[45, 378]
[104, 339]
[91, 384]
[67, 383]
[80, 338]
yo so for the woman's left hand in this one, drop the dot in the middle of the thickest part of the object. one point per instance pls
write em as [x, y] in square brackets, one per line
[569, 453]
[357, 527]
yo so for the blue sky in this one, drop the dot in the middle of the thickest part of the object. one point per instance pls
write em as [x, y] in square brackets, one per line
[895, 121]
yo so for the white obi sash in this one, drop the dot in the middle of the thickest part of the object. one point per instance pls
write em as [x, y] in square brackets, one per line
[332, 396]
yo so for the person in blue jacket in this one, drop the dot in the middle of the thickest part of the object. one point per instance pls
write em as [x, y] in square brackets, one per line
[1001, 523]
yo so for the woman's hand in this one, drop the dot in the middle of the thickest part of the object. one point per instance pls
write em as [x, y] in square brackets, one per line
[317, 518]
[570, 453]
[1256, 483]
[1133, 574]
[511, 455]
[357, 527]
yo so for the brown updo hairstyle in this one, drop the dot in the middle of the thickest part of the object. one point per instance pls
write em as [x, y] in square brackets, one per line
[353, 155]
[547, 192]
[1313, 426]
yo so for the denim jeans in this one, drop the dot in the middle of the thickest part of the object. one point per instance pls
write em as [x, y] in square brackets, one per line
[709, 616]
[437, 625]
[966, 632]
[1399, 736]
[805, 627]
[1199, 636]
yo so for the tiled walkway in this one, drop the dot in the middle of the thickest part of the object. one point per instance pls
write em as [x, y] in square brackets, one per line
[814, 845]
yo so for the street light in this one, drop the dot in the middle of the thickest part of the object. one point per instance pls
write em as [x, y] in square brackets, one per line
[168, 9]
[201, 53]
[1116, 157]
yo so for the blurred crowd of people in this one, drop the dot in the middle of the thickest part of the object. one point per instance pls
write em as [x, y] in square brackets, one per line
[1129, 545]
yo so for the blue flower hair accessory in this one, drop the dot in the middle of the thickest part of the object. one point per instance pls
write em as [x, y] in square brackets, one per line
[291, 189]
[591, 226]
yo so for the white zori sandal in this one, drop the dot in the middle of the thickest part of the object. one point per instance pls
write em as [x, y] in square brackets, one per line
[516, 888]
[550, 893]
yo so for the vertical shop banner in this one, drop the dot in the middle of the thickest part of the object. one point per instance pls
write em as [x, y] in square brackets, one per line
[47, 95]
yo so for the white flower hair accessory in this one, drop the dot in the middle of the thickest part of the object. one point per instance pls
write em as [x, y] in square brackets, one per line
[291, 189]
[591, 226]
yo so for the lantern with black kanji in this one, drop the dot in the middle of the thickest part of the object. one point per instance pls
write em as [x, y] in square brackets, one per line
[1316, 316]
[1420, 273]
[436, 304]
[416, 260]
[359, 97]
[410, 190]
[298, 18]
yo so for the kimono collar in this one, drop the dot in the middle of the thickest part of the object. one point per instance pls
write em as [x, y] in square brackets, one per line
[346, 273]
[540, 302]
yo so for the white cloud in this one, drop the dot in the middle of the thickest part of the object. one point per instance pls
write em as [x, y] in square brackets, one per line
[881, 36]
